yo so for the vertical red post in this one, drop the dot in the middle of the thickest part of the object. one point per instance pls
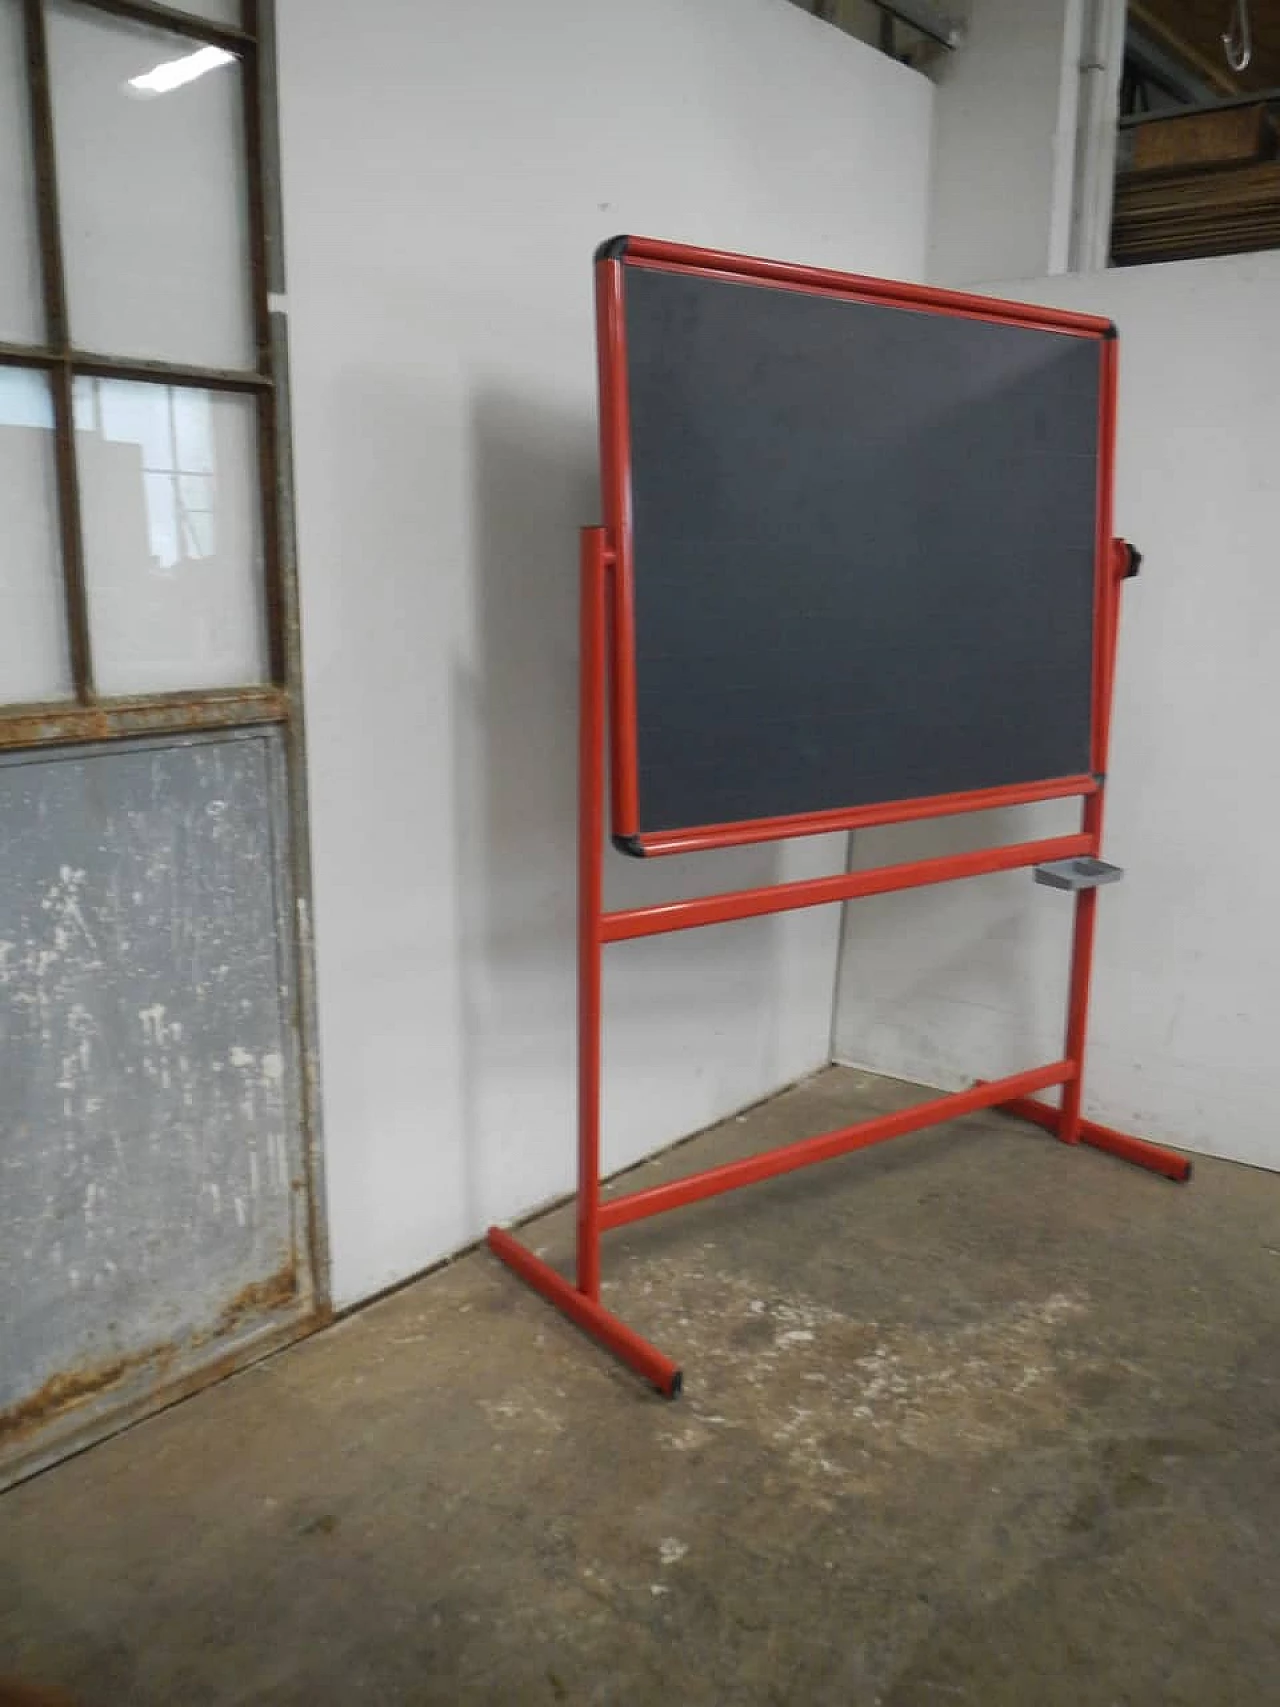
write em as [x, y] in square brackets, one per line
[1081, 975]
[1107, 620]
[591, 731]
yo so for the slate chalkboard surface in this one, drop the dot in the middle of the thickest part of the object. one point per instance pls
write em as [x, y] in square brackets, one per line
[863, 550]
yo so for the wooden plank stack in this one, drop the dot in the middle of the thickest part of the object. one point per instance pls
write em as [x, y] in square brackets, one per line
[1201, 184]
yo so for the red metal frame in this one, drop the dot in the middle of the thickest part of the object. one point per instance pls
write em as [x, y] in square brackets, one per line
[663, 916]
[819, 281]
[615, 485]
[861, 817]
[1110, 573]
[1139, 1151]
[615, 466]
[605, 603]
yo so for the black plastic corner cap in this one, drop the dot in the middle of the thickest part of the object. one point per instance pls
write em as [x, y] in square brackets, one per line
[1112, 332]
[612, 249]
[629, 845]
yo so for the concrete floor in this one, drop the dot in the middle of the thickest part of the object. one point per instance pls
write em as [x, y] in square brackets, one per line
[972, 1418]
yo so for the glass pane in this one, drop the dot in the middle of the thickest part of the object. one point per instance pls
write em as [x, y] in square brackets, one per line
[152, 187]
[172, 536]
[21, 315]
[33, 652]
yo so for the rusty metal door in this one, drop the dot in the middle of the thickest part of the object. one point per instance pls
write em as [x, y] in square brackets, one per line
[159, 1134]
[153, 1208]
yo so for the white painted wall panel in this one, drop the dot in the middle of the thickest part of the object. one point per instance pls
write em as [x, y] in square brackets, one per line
[447, 173]
[1005, 142]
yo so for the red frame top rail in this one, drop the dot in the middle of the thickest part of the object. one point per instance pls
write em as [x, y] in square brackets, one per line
[615, 458]
[687, 258]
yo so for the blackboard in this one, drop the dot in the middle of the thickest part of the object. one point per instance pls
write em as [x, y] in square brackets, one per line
[862, 549]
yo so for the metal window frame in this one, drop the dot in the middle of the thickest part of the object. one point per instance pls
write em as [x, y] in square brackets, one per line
[90, 717]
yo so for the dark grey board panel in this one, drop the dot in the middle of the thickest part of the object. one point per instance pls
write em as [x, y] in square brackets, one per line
[863, 551]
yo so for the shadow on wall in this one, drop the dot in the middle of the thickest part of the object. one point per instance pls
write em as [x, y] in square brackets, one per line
[515, 792]
[534, 485]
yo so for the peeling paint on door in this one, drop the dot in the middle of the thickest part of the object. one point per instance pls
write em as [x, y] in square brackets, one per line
[152, 1194]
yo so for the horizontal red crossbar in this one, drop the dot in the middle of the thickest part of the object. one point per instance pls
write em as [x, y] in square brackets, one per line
[844, 886]
[593, 1318]
[656, 842]
[1139, 1151]
[636, 1205]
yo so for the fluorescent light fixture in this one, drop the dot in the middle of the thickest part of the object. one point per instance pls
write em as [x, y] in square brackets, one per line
[175, 72]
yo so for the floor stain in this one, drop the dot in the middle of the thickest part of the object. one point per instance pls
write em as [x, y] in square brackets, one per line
[971, 1418]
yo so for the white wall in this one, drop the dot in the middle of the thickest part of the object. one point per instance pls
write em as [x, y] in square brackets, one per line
[968, 980]
[447, 172]
[1005, 142]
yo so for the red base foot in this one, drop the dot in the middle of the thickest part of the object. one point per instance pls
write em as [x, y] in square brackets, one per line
[591, 1317]
[1135, 1150]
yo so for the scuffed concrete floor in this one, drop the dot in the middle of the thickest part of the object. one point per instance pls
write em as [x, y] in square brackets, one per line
[972, 1418]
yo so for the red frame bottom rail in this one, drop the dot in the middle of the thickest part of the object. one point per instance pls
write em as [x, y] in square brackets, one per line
[654, 1200]
[579, 1299]
[1009, 1095]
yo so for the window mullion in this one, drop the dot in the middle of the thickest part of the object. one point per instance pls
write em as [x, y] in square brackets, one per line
[57, 337]
[263, 257]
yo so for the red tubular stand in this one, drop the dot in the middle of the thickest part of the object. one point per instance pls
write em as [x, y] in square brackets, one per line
[608, 696]
[580, 1300]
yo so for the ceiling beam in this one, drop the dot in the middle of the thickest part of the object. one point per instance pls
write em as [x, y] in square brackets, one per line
[1214, 72]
